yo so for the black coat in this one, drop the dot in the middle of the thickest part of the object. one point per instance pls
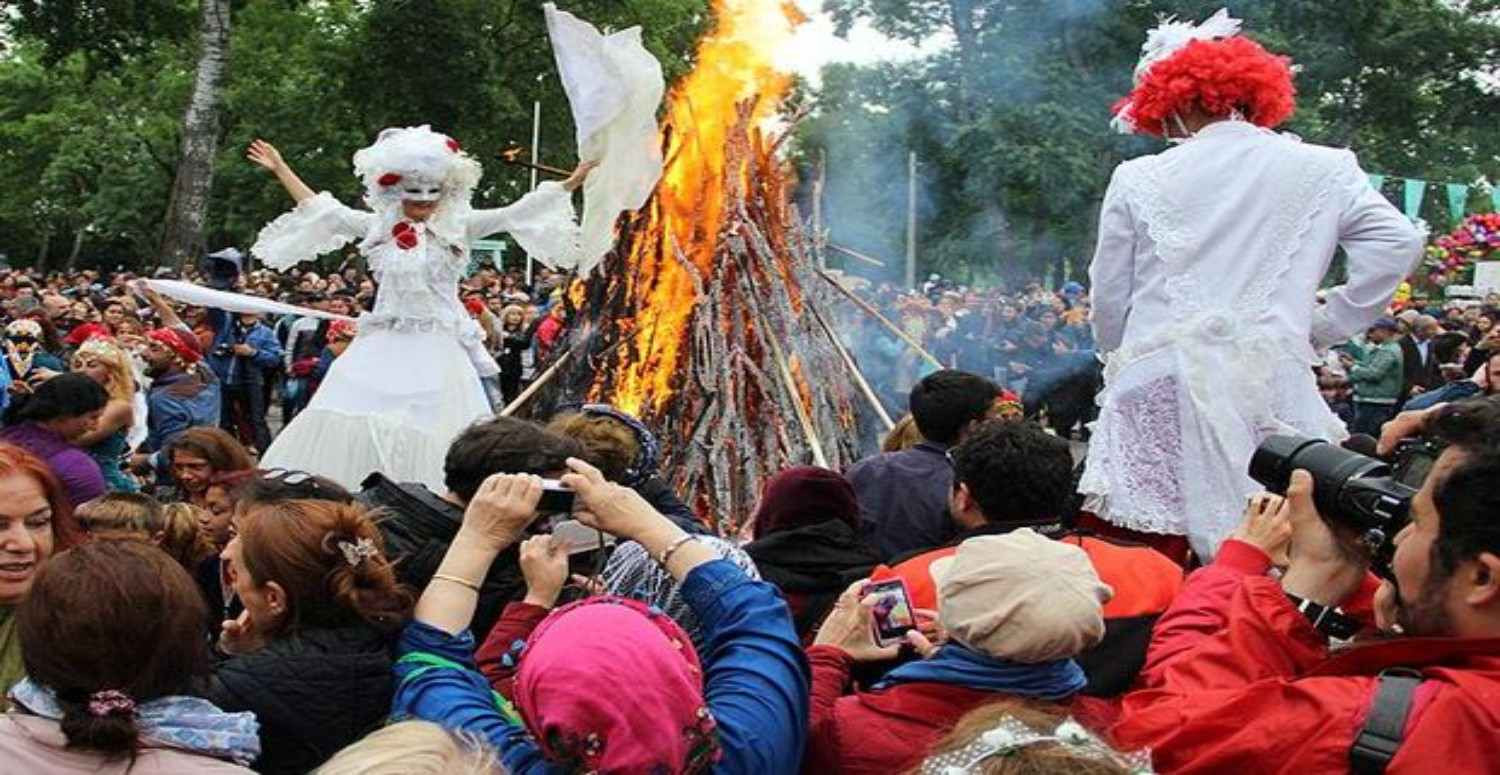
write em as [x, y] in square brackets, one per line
[812, 566]
[313, 693]
[1415, 371]
[418, 527]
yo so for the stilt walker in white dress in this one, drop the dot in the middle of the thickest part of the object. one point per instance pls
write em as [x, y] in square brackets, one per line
[410, 382]
[1204, 279]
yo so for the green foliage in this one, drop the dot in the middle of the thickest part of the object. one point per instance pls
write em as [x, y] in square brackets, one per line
[1011, 123]
[96, 147]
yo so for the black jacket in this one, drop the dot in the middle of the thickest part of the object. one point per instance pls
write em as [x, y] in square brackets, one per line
[1414, 370]
[313, 693]
[419, 526]
[812, 566]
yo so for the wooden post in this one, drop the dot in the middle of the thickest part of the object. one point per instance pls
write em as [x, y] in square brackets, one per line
[859, 377]
[911, 221]
[895, 329]
[854, 254]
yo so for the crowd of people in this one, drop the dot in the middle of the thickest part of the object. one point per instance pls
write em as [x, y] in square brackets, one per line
[181, 609]
[1034, 342]
[967, 600]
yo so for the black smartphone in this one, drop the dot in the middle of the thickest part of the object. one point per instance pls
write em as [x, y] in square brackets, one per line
[556, 499]
[892, 612]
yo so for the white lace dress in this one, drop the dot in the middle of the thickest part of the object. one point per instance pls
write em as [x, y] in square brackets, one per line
[409, 383]
[1204, 290]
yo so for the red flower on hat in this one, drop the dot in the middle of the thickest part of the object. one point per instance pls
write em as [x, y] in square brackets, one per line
[453, 145]
[406, 236]
[389, 179]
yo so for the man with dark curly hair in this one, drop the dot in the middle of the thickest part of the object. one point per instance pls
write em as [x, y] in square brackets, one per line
[1012, 475]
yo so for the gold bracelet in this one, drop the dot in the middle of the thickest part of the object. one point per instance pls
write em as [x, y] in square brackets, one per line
[455, 580]
[667, 555]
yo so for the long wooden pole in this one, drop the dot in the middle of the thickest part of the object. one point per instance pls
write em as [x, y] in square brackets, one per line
[911, 221]
[791, 387]
[536, 385]
[854, 254]
[859, 377]
[895, 329]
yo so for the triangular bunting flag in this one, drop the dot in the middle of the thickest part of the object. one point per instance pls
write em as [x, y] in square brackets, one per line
[1415, 189]
[1458, 200]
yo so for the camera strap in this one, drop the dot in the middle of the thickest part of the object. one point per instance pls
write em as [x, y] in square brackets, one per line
[1380, 737]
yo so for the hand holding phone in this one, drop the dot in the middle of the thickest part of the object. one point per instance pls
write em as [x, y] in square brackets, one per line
[890, 610]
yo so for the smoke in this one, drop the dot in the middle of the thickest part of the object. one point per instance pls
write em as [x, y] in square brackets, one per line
[1010, 128]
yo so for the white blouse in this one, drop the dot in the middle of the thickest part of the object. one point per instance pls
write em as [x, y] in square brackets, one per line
[1237, 228]
[419, 286]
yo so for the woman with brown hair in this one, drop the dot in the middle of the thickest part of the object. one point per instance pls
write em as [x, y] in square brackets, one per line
[311, 653]
[36, 520]
[112, 642]
[198, 454]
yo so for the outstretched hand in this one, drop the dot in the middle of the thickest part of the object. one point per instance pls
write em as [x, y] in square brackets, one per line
[580, 174]
[613, 508]
[502, 508]
[266, 155]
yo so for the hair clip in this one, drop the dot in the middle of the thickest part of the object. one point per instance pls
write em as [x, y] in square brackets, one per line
[356, 552]
[1010, 735]
[110, 702]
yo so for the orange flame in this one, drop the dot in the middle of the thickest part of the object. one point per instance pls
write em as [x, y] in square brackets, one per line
[734, 72]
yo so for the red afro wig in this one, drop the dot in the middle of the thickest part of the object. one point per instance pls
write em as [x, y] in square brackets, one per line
[1217, 76]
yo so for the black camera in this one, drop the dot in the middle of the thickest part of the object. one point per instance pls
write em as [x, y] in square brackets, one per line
[1365, 494]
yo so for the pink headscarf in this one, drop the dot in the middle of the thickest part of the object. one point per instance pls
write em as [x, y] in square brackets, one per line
[614, 686]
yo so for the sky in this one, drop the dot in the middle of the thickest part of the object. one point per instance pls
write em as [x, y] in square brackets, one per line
[817, 45]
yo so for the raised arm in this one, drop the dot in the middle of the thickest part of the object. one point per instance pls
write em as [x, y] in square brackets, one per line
[164, 311]
[266, 155]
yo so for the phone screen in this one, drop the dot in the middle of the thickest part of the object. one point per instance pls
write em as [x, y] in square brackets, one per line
[892, 610]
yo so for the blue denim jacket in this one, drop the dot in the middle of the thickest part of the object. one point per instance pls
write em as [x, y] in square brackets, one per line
[237, 371]
[756, 679]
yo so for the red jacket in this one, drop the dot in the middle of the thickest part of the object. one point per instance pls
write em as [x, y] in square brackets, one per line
[1236, 680]
[880, 732]
[496, 658]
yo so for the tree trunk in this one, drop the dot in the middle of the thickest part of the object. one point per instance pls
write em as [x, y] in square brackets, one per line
[41, 253]
[187, 209]
[967, 38]
[77, 248]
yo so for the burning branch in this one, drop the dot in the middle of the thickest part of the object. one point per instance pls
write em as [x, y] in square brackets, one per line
[512, 156]
[536, 385]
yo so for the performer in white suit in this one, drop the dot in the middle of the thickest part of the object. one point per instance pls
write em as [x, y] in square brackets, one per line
[1209, 257]
[410, 382]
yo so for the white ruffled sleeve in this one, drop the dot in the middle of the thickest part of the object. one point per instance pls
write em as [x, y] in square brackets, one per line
[543, 223]
[1383, 246]
[1112, 273]
[315, 226]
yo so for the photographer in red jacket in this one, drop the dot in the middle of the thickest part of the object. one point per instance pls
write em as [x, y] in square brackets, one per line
[1238, 678]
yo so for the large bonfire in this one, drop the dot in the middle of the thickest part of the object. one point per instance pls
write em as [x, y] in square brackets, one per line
[707, 320]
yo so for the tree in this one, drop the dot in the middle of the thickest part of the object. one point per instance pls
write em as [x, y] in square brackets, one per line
[187, 209]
